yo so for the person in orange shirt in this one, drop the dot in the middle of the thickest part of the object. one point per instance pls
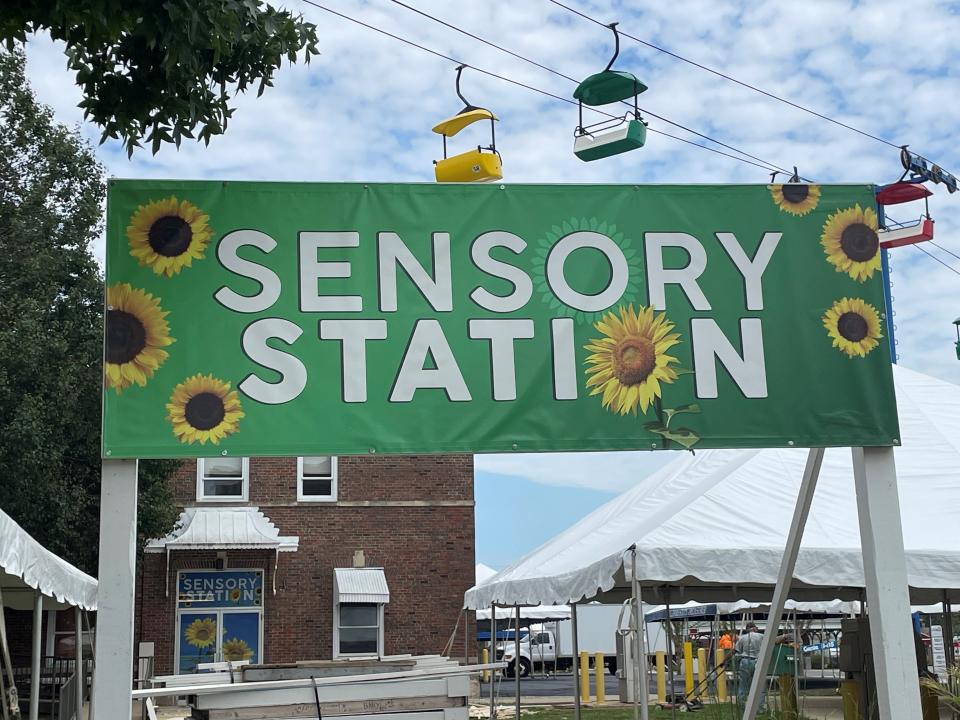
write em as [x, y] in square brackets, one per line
[726, 641]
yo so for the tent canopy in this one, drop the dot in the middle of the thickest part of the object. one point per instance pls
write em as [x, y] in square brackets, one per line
[26, 566]
[713, 525]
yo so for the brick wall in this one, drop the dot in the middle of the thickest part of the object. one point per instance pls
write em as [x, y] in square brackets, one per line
[411, 515]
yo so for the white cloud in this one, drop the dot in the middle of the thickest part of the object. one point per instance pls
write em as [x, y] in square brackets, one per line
[363, 111]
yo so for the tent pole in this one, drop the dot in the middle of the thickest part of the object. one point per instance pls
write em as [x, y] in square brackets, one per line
[466, 637]
[35, 655]
[885, 572]
[575, 643]
[493, 657]
[673, 704]
[948, 626]
[78, 672]
[113, 653]
[516, 657]
[804, 498]
[7, 685]
[640, 672]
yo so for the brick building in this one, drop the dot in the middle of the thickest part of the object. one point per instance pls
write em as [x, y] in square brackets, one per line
[284, 559]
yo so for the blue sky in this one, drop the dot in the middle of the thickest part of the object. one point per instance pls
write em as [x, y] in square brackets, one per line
[363, 110]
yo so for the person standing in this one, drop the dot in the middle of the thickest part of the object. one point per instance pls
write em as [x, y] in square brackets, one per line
[747, 650]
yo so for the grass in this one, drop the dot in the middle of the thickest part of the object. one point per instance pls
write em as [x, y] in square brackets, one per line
[710, 712]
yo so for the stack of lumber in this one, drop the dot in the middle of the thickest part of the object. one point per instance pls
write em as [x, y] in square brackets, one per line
[390, 688]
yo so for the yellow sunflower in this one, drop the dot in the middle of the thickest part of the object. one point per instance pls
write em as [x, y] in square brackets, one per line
[167, 235]
[201, 633]
[795, 198]
[854, 326]
[851, 242]
[628, 363]
[236, 649]
[136, 332]
[204, 408]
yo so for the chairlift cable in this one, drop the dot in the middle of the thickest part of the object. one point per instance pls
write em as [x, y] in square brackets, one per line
[948, 252]
[530, 61]
[519, 83]
[732, 79]
[946, 265]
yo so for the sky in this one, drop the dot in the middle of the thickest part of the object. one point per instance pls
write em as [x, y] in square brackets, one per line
[363, 109]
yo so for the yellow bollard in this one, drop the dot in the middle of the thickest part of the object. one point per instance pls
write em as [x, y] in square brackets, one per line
[688, 667]
[703, 686]
[484, 659]
[661, 677]
[599, 675]
[850, 693]
[721, 676]
[584, 676]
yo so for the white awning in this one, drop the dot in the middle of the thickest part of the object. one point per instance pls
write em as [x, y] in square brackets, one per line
[360, 585]
[25, 566]
[224, 528]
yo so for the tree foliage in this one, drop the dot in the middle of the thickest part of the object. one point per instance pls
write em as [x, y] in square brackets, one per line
[162, 71]
[51, 332]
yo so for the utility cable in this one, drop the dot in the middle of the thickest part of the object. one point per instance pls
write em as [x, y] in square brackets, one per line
[769, 94]
[521, 84]
[525, 59]
[948, 252]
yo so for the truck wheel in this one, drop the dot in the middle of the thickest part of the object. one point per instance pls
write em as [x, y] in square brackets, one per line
[525, 667]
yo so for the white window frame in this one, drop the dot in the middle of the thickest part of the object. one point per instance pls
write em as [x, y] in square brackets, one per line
[332, 497]
[245, 485]
[336, 633]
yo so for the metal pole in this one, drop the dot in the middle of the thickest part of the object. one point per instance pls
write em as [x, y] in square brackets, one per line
[948, 627]
[493, 656]
[640, 671]
[673, 705]
[516, 658]
[466, 637]
[885, 573]
[35, 656]
[804, 498]
[113, 653]
[79, 678]
[576, 661]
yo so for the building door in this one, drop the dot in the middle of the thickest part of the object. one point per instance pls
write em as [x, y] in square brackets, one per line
[219, 617]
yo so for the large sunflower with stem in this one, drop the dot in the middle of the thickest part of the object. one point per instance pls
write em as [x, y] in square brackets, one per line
[167, 235]
[851, 242]
[204, 408]
[630, 361]
[201, 633]
[854, 326]
[236, 649]
[795, 198]
[136, 333]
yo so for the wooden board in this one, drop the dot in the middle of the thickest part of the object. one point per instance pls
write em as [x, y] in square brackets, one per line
[239, 696]
[333, 709]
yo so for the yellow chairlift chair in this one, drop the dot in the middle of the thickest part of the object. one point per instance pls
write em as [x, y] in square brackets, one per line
[619, 134]
[480, 165]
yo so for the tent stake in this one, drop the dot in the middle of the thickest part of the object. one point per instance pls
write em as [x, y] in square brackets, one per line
[804, 498]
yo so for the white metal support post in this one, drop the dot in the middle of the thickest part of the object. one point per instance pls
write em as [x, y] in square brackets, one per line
[80, 680]
[804, 498]
[35, 655]
[885, 573]
[575, 642]
[516, 658]
[113, 654]
[641, 693]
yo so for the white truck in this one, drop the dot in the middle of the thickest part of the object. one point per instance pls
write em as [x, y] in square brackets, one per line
[550, 645]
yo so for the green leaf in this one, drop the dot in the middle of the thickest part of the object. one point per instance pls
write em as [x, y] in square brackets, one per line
[689, 408]
[682, 436]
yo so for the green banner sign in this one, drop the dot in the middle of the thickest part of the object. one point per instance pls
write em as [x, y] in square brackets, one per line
[307, 319]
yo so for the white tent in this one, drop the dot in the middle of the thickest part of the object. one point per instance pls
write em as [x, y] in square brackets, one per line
[482, 573]
[559, 612]
[713, 525]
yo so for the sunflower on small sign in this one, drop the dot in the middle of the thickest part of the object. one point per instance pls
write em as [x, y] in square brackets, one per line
[203, 408]
[854, 326]
[136, 333]
[795, 198]
[628, 364]
[851, 242]
[168, 235]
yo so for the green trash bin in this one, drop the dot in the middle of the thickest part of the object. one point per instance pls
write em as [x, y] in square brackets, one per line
[782, 662]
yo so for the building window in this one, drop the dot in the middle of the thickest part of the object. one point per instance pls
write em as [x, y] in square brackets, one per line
[223, 479]
[359, 629]
[317, 478]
